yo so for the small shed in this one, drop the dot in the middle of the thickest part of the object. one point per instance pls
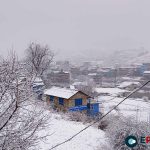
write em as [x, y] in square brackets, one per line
[146, 75]
[93, 108]
[38, 87]
[66, 99]
[38, 84]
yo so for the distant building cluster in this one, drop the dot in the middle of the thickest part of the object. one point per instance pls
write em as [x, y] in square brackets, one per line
[90, 79]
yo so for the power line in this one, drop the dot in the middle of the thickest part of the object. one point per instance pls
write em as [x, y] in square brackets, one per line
[69, 139]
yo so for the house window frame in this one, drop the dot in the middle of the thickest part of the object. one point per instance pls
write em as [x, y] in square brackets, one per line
[61, 101]
[78, 103]
[51, 98]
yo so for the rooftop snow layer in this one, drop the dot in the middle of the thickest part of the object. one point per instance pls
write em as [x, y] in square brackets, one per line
[112, 91]
[60, 92]
[147, 72]
[126, 84]
[38, 79]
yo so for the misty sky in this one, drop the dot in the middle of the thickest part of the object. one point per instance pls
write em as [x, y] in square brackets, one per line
[71, 26]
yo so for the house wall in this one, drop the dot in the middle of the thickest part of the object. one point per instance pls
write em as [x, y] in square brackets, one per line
[47, 99]
[56, 103]
[58, 106]
[71, 102]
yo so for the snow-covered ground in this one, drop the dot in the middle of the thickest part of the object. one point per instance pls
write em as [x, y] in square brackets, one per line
[136, 108]
[62, 129]
[91, 139]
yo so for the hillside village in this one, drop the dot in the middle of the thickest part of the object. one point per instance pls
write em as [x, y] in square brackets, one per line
[74, 75]
[76, 96]
[93, 90]
[96, 81]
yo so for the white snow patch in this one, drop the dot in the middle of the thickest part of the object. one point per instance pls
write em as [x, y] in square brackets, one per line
[64, 129]
[146, 72]
[136, 108]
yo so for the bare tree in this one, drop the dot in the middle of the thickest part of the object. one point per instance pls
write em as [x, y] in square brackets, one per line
[88, 88]
[20, 117]
[39, 58]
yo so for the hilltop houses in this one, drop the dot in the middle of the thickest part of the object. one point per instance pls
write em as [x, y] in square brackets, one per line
[59, 78]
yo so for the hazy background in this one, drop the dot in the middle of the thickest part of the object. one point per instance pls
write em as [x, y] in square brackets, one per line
[75, 28]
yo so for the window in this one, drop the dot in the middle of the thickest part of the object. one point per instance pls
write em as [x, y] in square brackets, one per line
[51, 98]
[78, 102]
[61, 101]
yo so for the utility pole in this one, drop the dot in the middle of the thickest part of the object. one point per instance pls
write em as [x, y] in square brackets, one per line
[115, 82]
[101, 81]
[137, 113]
[115, 74]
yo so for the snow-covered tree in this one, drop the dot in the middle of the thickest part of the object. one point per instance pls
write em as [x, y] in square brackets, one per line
[20, 116]
[87, 88]
[38, 58]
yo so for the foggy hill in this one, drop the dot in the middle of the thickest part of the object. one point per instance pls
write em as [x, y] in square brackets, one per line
[123, 57]
[127, 57]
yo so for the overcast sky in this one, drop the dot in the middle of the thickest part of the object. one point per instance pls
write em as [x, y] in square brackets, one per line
[74, 25]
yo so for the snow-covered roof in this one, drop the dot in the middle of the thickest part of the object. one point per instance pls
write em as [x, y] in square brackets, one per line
[111, 91]
[38, 84]
[134, 79]
[72, 87]
[126, 84]
[60, 92]
[79, 83]
[38, 79]
[92, 74]
[126, 78]
[105, 70]
[147, 72]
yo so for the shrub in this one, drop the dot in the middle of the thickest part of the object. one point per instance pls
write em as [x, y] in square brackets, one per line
[122, 127]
